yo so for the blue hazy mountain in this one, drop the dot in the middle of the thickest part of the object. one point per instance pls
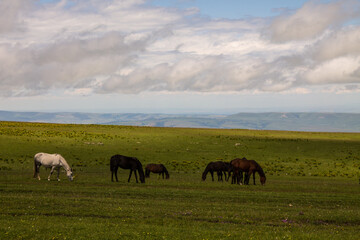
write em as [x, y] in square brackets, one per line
[302, 121]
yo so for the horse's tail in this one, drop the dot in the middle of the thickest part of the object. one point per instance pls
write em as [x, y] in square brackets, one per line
[36, 170]
[112, 164]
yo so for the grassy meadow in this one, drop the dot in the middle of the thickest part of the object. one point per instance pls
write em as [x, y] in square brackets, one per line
[312, 189]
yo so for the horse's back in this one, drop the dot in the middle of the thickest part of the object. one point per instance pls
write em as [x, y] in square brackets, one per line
[124, 161]
[241, 163]
[48, 159]
[155, 168]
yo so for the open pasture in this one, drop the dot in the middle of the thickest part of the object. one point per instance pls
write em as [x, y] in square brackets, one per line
[312, 189]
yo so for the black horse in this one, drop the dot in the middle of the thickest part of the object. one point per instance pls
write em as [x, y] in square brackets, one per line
[219, 167]
[124, 162]
[156, 168]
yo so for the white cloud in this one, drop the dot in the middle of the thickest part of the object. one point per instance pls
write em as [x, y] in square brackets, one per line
[11, 13]
[344, 42]
[312, 20]
[339, 70]
[130, 47]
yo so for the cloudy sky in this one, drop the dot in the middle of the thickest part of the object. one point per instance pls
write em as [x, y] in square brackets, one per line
[177, 56]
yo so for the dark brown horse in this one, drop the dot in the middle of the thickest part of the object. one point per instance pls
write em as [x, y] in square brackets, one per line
[249, 167]
[219, 167]
[124, 162]
[156, 168]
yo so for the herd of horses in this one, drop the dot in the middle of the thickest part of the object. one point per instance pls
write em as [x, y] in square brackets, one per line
[237, 168]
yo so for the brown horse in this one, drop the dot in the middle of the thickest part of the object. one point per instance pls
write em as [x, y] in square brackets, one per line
[156, 168]
[124, 162]
[219, 167]
[249, 167]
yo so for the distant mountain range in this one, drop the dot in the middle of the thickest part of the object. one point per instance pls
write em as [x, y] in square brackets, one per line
[322, 122]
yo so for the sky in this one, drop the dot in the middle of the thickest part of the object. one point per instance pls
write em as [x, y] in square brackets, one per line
[180, 56]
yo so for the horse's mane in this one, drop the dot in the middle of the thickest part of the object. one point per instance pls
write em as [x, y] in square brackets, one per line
[260, 170]
[207, 169]
[64, 162]
[165, 170]
[139, 167]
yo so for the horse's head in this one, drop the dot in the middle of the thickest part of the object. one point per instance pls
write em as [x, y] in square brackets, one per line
[203, 176]
[141, 173]
[69, 174]
[142, 178]
[262, 180]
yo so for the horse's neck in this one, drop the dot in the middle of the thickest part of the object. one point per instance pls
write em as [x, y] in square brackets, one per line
[64, 163]
[261, 172]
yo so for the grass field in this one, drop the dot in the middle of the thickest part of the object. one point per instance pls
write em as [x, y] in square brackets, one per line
[312, 189]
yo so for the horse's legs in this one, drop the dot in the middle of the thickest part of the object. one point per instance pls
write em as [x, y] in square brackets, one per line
[212, 175]
[220, 178]
[51, 172]
[116, 169]
[58, 174]
[38, 171]
[130, 175]
[254, 177]
[236, 177]
[248, 177]
[241, 177]
[114, 172]
[136, 176]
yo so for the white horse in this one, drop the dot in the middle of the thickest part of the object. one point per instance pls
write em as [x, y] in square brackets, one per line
[53, 161]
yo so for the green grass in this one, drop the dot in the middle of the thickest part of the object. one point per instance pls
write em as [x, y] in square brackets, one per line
[312, 189]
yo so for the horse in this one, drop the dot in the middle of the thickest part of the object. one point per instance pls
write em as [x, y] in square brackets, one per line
[53, 161]
[249, 167]
[156, 168]
[219, 167]
[125, 162]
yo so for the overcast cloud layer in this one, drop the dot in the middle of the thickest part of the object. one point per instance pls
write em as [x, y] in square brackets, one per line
[129, 46]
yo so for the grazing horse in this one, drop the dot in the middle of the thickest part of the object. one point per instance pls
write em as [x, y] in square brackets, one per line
[249, 167]
[53, 161]
[156, 168]
[219, 167]
[124, 162]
